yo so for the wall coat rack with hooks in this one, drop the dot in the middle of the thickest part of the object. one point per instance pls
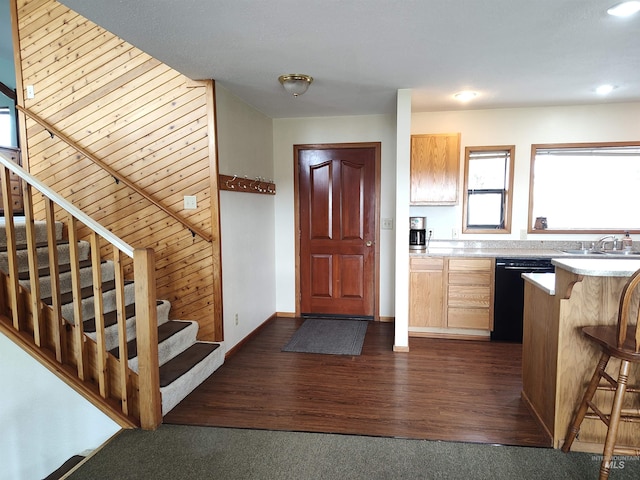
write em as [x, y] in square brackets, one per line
[235, 183]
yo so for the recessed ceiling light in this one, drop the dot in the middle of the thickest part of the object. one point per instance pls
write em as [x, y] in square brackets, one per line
[605, 89]
[624, 9]
[465, 95]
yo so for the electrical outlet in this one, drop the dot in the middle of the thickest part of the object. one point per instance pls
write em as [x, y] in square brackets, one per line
[387, 224]
[190, 202]
[454, 233]
[30, 92]
[236, 318]
[523, 234]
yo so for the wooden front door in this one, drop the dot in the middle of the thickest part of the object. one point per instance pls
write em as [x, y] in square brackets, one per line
[337, 222]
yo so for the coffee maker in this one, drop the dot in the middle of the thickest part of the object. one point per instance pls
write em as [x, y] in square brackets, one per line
[417, 233]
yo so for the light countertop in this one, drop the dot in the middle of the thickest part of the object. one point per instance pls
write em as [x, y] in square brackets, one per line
[506, 249]
[544, 281]
[598, 267]
[487, 252]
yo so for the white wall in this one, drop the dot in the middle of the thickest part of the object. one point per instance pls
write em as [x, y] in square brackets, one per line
[522, 127]
[297, 131]
[403, 178]
[245, 148]
[43, 422]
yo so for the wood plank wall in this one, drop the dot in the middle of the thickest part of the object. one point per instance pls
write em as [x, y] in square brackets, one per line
[146, 121]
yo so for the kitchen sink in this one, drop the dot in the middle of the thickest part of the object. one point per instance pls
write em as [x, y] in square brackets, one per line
[582, 252]
[620, 252]
[586, 251]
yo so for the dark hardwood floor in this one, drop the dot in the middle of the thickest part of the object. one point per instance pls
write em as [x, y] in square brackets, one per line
[441, 390]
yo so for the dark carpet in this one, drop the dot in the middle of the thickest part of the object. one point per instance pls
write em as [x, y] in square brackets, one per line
[328, 336]
[180, 452]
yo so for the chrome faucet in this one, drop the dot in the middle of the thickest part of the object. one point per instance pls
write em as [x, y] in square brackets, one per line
[599, 245]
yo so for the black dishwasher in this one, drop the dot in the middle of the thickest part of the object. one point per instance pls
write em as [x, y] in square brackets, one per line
[509, 295]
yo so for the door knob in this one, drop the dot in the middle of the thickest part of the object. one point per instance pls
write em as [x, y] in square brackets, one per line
[369, 243]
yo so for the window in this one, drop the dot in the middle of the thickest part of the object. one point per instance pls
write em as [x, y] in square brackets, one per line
[488, 182]
[5, 127]
[585, 187]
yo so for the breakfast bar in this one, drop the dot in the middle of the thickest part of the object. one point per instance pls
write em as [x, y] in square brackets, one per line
[557, 360]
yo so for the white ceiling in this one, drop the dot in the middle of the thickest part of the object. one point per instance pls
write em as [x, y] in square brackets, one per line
[513, 52]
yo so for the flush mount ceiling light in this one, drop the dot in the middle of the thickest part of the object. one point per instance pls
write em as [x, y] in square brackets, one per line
[624, 9]
[295, 83]
[605, 89]
[465, 95]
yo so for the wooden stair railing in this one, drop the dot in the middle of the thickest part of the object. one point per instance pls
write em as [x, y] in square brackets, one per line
[128, 398]
[53, 131]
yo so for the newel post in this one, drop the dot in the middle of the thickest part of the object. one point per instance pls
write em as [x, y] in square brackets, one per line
[147, 335]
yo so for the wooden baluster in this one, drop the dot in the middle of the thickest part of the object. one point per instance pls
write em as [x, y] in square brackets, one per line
[98, 304]
[76, 287]
[147, 338]
[4, 306]
[58, 328]
[34, 279]
[125, 383]
[13, 286]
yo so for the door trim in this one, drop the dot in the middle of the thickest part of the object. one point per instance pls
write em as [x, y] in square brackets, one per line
[377, 146]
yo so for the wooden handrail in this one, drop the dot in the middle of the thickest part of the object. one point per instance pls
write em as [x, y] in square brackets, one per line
[53, 131]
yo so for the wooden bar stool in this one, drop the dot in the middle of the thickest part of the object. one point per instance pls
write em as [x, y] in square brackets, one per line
[620, 341]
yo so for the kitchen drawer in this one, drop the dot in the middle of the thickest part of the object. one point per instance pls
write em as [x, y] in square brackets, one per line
[426, 263]
[477, 318]
[472, 278]
[470, 264]
[469, 296]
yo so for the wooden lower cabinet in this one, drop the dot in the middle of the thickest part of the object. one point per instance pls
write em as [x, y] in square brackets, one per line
[470, 293]
[451, 296]
[426, 292]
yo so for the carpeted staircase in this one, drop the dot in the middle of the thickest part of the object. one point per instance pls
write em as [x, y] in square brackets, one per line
[184, 361]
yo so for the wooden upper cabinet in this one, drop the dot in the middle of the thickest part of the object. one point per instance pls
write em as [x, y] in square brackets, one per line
[435, 169]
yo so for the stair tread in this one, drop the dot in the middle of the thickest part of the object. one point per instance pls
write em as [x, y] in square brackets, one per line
[23, 246]
[111, 318]
[165, 331]
[63, 268]
[85, 292]
[182, 363]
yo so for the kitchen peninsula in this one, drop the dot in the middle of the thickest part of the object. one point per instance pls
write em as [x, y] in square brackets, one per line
[557, 360]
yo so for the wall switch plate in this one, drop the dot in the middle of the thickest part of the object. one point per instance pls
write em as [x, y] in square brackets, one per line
[523, 234]
[387, 224]
[190, 202]
[31, 93]
[454, 233]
